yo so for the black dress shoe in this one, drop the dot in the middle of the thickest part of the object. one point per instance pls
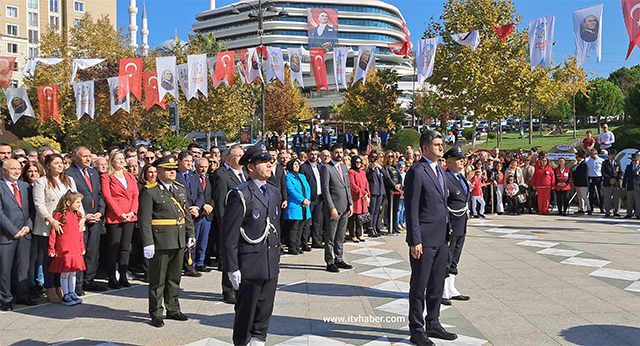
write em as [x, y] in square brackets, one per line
[123, 281]
[293, 252]
[157, 322]
[317, 246]
[440, 333]
[79, 292]
[193, 273]
[94, 286]
[178, 317]
[333, 268]
[460, 297]
[6, 307]
[344, 265]
[608, 215]
[421, 340]
[203, 269]
[628, 216]
[306, 248]
[28, 302]
[617, 215]
[229, 297]
[445, 301]
[113, 283]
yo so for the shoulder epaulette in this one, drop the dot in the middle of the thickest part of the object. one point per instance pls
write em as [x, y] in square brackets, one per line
[151, 185]
[241, 186]
[272, 183]
[177, 183]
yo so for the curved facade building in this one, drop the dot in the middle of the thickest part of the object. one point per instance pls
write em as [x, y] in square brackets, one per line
[360, 22]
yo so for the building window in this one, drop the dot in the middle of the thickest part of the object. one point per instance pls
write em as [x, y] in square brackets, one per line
[33, 19]
[14, 83]
[12, 48]
[79, 6]
[12, 30]
[12, 12]
[33, 37]
[33, 52]
[77, 21]
[53, 6]
[54, 22]
[32, 4]
[15, 66]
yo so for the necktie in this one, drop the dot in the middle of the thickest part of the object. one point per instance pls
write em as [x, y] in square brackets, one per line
[186, 178]
[440, 180]
[464, 186]
[241, 177]
[87, 179]
[263, 188]
[340, 171]
[16, 193]
[204, 184]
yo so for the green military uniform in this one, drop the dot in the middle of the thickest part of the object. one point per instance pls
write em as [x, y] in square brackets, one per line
[166, 223]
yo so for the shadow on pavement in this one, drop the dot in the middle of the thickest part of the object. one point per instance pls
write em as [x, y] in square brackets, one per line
[58, 311]
[335, 290]
[601, 334]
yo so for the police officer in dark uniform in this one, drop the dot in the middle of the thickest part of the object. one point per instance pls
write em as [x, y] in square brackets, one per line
[457, 203]
[251, 238]
[166, 230]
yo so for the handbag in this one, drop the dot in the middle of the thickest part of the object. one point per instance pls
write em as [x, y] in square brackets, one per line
[522, 198]
[364, 219]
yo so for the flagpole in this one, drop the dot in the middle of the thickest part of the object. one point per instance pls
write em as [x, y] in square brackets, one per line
[413, 95]
[260, 32]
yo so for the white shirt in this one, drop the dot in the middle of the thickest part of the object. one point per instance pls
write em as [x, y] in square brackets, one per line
[123, 180]
[316, 174]
[241, 178]
[320, 29]
[434, 165]
[606, 137]
[10, 184]
[594, 167]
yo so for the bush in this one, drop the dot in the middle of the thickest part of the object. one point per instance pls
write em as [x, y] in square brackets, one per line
[170, 142]
[38, 141]
[492, 135]
[403, 139]
[467, 133]
[24, 145]
[627, 136]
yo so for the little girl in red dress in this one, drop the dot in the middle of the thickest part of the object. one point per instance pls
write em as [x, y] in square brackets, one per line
[67, 248]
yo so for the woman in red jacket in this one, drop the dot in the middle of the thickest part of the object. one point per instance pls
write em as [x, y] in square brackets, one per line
[360, 194]
[120, 191]
[543, 181]
[563, 185]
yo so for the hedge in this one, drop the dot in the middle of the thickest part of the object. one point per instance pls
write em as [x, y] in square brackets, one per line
[403, 139]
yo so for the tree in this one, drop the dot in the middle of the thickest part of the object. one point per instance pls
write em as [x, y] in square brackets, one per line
[632, 104]
[574, 81]
[604, 99]
[432, 105]
[284, 106]
[625, 78]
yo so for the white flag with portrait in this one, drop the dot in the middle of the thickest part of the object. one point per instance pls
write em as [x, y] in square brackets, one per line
[183, 79]
[468, 39]
[541, 40]
[30, 66]
[118, 100]
[340, 66]
[365, 60]
[255, 65]
[275, 64]
[587, 31]
[167, 79]
[18, 103]
[295, 66]
[85, 101]
[197, 74]
[425, 56]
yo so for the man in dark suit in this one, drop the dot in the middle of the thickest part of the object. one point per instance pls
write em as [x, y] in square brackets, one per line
[195, 198]
[631, 184]
[278, 175]
[341, 139]
[5, 153]
[363, 139]
[611, 182]
[88, 184]
[580, 176]
[311, 170]
[252, 247]
[226, 178]
[427, 236]
[458, 199]
[15, 237]
[338, 207]
[325, 141]
[206, 215]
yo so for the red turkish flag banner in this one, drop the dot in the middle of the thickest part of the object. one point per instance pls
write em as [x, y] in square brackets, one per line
[632, 22]
[503, 31]
[6, 70]
[225, 67]
[319, 68]
[48, 99]
[150, 80]
[402, 48]
[132, 68]
[263, 49]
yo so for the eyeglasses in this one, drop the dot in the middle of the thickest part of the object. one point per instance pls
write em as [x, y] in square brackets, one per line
[358, 161]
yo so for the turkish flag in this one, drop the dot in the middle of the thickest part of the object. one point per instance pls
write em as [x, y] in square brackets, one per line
[132, 68]
[263, 49]
[48, 98]
[503, 31]
[225, 67]
[6, 70]
[632, 22]
[319, 68]
[402, 48]
[150, 79]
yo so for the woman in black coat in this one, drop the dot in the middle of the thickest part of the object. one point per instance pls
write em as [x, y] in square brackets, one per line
[393, 187]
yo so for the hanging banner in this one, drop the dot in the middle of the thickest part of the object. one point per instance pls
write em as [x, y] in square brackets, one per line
[166, 73]
[81, 64]
[225, 66]
[633, 29]
[275, 64]
[85, 102]
[340, 66]
[503, 31]
[295, 66]
[255, 67]
[468, 39]
[425, 57]
[6, 70]
[243, 66]
[365, 59]
[322, 28]
[197, 74]
[18, 103]
[587, 32]
[183, 80]
[30, 66]
[541, 40]
[150, 80]
[48, 100]
[402, 48]
[116, 85]
[319, 68]
[132, 68]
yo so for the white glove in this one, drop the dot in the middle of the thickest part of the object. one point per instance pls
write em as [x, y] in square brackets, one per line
[191, 242]
[149, 251]
[235, 279]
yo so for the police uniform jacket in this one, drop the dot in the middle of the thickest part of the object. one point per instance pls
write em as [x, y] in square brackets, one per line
[162, 223]
[610, 171]
[457, 199]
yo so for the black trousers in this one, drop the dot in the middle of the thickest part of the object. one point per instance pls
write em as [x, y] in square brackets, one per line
[92, 254]
[119, 246]
[427, 283]
[563, 201]
[294, 228]
[313, 228]
[165, 273]
[354, 227]
[14, 269]
[374, 208]
[595, 192]
[137, 262]
[51, 280]
[512, 204]
[253, 308]
[455, 250]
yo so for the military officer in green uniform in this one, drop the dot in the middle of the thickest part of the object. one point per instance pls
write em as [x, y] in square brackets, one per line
[167, 231]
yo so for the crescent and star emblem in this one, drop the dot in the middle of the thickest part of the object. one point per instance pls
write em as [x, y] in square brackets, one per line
[135, 68]
[224, 63]
[44, 92]
[635, 7]
[6, 62]
[318, 57]
[152, 78]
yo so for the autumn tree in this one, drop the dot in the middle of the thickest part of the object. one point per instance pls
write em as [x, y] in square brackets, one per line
[285, 106]
[574, 81]
[604, 99]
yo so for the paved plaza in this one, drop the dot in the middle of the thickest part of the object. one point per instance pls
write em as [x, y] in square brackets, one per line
[533, 280]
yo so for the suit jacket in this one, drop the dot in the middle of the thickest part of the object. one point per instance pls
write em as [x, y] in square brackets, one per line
[92, 202]
[255, 261]
[45, 200]
[580, 174]
[223, 181]
[457, 199]
[119, 200]
[280, 181]
[307, 170]
[426, 205]
[363, 138]
[208, 194]
[336, 190]
[13, 217]
[609, 172]
[195, 193]
[630, 178]
[377, 178]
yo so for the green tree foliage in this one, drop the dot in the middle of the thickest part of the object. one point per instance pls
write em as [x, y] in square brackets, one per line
[632, 104]
[376, 102]
[627, 136]
[604, 99]
[403, 139]
[285, 106]
[625, 78]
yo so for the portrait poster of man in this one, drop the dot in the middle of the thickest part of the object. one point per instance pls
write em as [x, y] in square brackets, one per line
[167, 81]
[587, 27]
[322, 26]
[119, 99]
[18, 103]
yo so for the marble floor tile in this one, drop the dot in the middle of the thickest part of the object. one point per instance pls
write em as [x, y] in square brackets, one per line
[390, 273]
[537, 243]
[519, 236]
[585, 262]
[616, 274]
[369, 251]
[559, 252]
[634, 287]
[502, 230]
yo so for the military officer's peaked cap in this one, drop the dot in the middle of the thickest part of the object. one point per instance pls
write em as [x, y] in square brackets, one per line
[255, 153]
[168, 162]
[454, 152]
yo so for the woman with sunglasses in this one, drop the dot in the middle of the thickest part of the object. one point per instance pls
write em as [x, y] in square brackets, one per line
[360, 194]
[394, 187]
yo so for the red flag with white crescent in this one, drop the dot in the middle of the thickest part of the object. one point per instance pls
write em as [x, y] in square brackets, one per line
[48, 99]
[6, 70]
[225, 67]
[632, 22]
[150, 80]
[403, 48]
[319, 68]
[132, 68]
[503, 31]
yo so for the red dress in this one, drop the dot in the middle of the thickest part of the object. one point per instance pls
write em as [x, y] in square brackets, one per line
[359, 188]
[68, 246]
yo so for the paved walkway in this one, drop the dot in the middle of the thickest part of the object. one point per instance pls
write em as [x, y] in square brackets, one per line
[533, 280]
